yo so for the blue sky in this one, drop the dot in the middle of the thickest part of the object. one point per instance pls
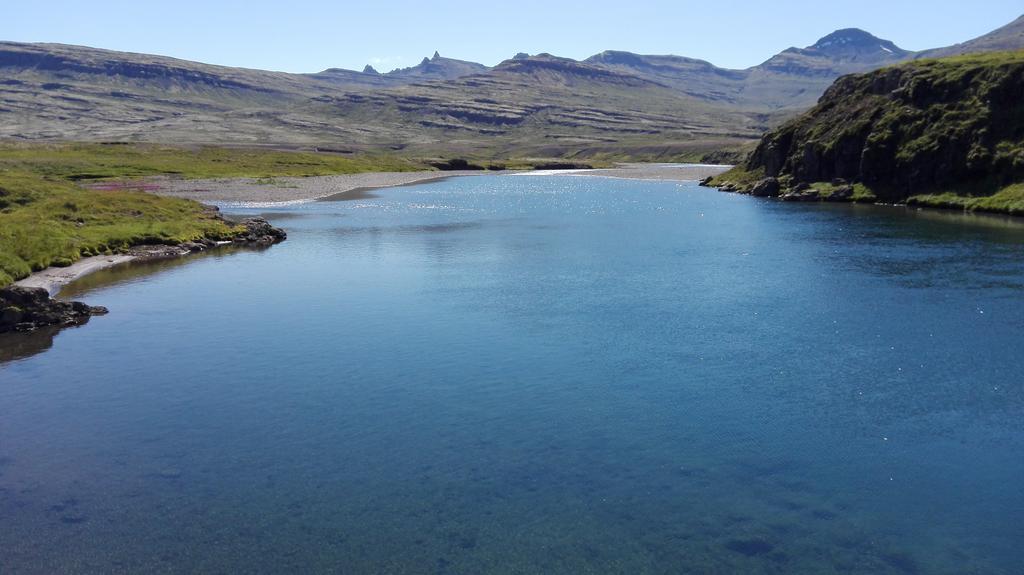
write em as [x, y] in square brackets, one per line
[308, 36]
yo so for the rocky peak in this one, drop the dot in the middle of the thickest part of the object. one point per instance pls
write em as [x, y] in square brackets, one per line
[616, 57]
[855, 41]
[439, 68]
[370, 70]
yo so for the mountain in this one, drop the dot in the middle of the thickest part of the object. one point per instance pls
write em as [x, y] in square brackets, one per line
[841, 52]
[1009, 37]
[614, 103]
[55, 91]
[438, 68]
[793, 79]
[542, 105]
[696, 78]
[936, 131]
[525, 104]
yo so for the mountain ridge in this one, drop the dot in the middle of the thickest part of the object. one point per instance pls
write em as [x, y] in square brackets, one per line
[618, 102]
[1009, 37]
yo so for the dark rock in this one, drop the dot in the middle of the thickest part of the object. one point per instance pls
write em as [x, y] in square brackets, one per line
[11, 315]
[706, 182]
[259, 231]
[805, 195]
[843, 193]
[455, 164]
[563, 166]
[766, 188]
[28, 309]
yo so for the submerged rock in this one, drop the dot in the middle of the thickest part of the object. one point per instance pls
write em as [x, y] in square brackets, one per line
[25, 309]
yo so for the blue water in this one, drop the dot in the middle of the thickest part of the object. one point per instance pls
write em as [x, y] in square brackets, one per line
[537, 375]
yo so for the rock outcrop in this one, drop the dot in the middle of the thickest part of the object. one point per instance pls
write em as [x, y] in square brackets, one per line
[766, 188]
[925, 127]
[950, 128]
[25, 309]
[258, 231]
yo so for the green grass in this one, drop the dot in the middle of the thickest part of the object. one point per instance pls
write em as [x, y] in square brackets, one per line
[46, 219]
[861, 193]
[84, 162]
[739, 176]
[1009, 200]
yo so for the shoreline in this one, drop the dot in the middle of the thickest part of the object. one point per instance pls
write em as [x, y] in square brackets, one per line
[251, 192]
[53, 279]
[256, 232]
[816, 198]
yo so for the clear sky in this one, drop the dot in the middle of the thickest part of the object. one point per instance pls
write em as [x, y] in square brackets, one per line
[311, 35]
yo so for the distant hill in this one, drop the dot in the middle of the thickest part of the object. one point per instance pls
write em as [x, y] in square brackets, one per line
[615, 103]
[544, 105]
[791, 80]
[1009, 37]
[944, 132]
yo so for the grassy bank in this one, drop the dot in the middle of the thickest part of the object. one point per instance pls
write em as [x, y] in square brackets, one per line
[1009, 200]
[47, 219]
[83, 162]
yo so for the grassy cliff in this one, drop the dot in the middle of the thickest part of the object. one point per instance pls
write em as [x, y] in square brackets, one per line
[47, 219]
[946, 132]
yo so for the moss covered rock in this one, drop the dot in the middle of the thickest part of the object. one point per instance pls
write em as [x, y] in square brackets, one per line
[948, 126]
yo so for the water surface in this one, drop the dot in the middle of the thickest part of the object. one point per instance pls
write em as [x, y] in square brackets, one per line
[536, 375]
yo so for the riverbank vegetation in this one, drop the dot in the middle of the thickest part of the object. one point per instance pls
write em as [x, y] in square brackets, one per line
[47, 218]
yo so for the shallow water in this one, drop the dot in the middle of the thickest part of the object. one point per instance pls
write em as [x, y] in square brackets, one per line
[537, 375]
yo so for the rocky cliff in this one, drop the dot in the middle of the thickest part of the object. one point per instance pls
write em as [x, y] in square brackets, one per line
[949, 128]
